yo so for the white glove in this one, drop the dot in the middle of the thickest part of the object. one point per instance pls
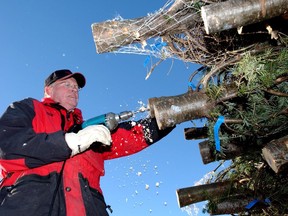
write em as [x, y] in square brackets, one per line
[79, 142]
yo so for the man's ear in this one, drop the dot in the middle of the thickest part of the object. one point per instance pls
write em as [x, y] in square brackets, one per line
[47, 91]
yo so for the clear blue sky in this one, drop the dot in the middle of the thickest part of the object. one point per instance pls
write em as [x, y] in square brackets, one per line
[38, 37]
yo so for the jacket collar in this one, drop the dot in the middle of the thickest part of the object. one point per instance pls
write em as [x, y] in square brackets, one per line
[51, 102]
[77, 113]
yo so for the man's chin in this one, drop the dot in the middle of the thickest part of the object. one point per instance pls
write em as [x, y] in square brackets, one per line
[72, 106]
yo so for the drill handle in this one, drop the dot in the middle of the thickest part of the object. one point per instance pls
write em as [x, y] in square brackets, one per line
[95, 121]
[110, 120]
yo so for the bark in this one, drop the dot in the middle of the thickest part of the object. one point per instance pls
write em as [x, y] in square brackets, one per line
[236, 13]
[111, 35]
[190, 195]
[208, 155]
[231, 205]
[196, 133]
[178, 5]
[276, 154]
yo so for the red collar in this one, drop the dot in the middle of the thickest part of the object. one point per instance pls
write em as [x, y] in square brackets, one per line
[50, 102]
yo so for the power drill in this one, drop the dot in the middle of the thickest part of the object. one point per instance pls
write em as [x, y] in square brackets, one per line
[110, 120]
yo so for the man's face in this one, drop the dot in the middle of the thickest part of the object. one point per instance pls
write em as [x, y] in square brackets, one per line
[65, 92]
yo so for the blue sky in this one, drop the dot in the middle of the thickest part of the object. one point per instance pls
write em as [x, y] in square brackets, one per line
[38, 37]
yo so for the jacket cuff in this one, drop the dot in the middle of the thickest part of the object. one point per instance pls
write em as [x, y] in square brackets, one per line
[152, 133]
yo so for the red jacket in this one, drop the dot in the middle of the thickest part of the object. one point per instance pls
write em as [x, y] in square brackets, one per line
[39, 176]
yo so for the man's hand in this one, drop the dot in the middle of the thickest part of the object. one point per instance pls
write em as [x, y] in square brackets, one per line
[79, 142]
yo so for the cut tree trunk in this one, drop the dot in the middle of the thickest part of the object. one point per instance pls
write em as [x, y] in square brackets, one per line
[232, 205]
[190, 195]
[196, 133]
[276, 154]
[208, 155]
[111, 35]
[172, 110]
[236, 13]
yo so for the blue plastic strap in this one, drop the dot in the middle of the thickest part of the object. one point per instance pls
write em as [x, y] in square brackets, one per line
[251, 204]
[217, 125]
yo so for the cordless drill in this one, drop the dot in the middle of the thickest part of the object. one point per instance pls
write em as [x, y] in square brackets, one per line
[110, 120]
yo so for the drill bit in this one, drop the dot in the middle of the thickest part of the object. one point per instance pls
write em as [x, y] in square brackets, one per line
[141, 109]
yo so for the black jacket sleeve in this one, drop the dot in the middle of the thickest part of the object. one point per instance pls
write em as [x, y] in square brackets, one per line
[151, 131]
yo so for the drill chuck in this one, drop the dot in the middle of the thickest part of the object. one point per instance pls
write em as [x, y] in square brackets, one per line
[112, 120]
[123, 116]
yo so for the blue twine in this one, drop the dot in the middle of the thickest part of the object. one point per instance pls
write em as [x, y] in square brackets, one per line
[267, 201]
[217, 125]
[192, 86]
[159, 46]
[147, 60]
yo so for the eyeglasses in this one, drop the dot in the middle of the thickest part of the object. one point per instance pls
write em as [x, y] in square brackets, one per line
[70, 85]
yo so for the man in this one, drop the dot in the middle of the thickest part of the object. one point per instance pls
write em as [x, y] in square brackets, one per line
[49, 169]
